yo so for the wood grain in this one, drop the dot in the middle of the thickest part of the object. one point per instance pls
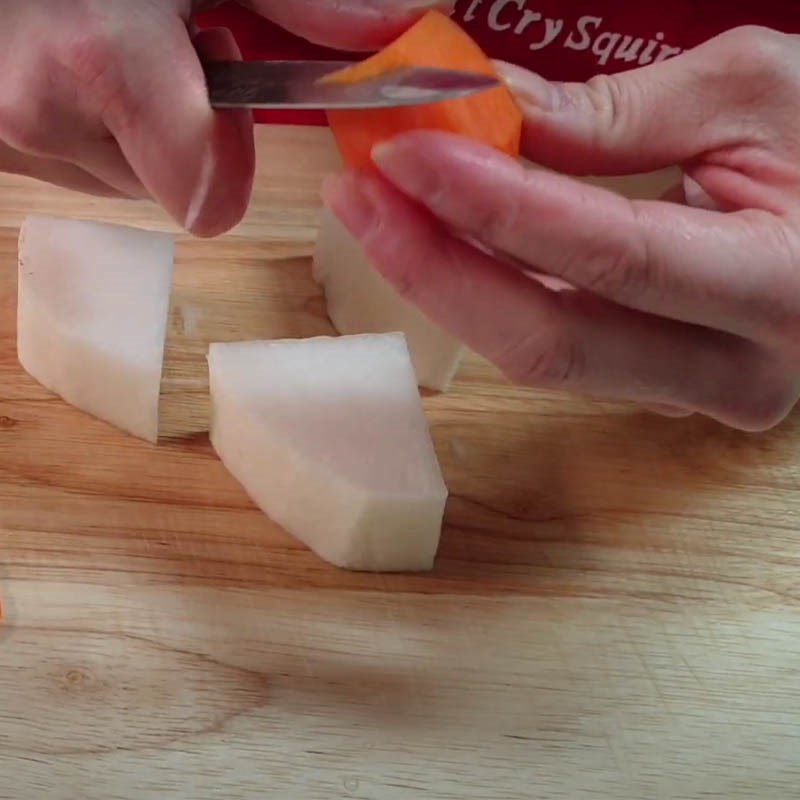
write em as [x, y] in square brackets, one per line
[615, 613]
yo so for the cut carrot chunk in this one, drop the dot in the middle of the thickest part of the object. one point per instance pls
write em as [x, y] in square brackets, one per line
[491, 117]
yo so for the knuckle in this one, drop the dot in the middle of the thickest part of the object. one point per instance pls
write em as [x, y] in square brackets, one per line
[94, 64]
[756, 54]
[620, 267]
[536, 362]
[774, 305]
[498, 221]
[392, 262]
[760, 45]
[616, 273]
[501, 217]
[90, 58]
[618, 105]
[606, 97]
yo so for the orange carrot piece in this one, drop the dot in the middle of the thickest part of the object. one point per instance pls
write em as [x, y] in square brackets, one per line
[491, 117]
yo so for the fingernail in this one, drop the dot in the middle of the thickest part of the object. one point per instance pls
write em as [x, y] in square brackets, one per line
[382, 153]
[345, 196]
[696, 195]
[201, 191]
[531, 91]
[399, 161]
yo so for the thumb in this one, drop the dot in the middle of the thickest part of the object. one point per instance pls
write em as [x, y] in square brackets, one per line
[347, 24]
[728, 92]
[197, 162]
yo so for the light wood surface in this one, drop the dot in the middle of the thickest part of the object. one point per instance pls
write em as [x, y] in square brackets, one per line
[615, 613]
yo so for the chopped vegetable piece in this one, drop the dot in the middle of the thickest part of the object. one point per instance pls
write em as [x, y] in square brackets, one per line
[93, 306]
[329, 438]
[360, 301]
[491, 117]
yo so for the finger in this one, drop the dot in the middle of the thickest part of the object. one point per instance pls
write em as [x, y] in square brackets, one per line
[196, 162]
[729, 91]
[53, 171]
[696, 196]
[216, 44]
[65, 139]
[347, 24]
[43, 120]
[690, 193]
[566, 340]
[688, 264]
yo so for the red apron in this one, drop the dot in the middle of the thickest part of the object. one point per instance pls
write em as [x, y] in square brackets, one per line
[560, 39]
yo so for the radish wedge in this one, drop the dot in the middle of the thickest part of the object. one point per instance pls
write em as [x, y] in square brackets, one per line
[92, 316]
[329, 438]
[359, 300]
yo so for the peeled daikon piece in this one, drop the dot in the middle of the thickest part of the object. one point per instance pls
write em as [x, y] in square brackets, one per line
[360, 300]
[92, 316]
[329, 438]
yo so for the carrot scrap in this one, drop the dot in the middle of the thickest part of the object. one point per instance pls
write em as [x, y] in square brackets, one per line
[491, 117]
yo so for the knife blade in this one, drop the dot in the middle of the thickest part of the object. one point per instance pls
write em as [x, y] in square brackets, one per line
[299, 85]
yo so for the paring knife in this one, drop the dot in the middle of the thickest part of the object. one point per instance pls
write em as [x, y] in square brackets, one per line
[298, 85]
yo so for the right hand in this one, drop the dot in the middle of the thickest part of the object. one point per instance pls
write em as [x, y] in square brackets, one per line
[108, 96]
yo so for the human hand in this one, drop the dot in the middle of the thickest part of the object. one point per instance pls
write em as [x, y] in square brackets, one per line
[108, 96]
[677, 307]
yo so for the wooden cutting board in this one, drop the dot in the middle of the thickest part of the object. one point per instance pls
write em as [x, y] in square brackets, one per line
[615, 613]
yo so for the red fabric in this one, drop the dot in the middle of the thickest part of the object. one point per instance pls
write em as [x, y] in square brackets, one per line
[586, 37]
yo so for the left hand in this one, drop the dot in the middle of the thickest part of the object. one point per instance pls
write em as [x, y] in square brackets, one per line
[680, 308]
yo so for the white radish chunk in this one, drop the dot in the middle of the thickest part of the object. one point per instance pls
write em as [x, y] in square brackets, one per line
[329, 438]
[92, 316]
[359, 300]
